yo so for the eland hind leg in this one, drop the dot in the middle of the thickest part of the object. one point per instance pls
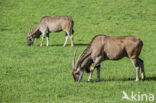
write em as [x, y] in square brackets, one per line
[71, 38]
[136, 65]
[141, 65]
[98, 73]
[68, 34]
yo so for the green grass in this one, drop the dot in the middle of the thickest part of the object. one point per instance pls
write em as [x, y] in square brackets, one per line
[43, 74]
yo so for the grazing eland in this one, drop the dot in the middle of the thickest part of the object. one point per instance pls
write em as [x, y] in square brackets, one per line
[104, 47]
[49, 24]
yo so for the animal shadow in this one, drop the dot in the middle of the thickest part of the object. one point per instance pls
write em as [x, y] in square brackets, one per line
[151, 78]
[69, 45]
[80, 44]
[118, 79]
[125, 79]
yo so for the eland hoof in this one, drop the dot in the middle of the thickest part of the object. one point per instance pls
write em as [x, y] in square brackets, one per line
[89, 80]
[97, 80]
[143, 78]
[136, 80]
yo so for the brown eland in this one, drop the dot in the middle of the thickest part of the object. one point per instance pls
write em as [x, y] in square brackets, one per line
[104, 47]
[49, 24]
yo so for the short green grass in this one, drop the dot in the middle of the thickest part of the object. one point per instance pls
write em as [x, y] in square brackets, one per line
[43, 74]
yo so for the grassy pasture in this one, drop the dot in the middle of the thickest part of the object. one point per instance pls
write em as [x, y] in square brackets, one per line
[43, 74]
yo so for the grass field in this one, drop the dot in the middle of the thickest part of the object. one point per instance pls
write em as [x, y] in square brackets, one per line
[43, 74]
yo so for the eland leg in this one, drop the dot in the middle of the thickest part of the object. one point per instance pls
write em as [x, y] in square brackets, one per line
[141, 64]
[43, 36]
[66, 39]
[98, 73]
[71, 38]
[136, 65]
[47, 39]
[91, 72]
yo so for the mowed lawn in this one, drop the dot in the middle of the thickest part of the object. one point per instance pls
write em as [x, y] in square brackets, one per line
[44, 74]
